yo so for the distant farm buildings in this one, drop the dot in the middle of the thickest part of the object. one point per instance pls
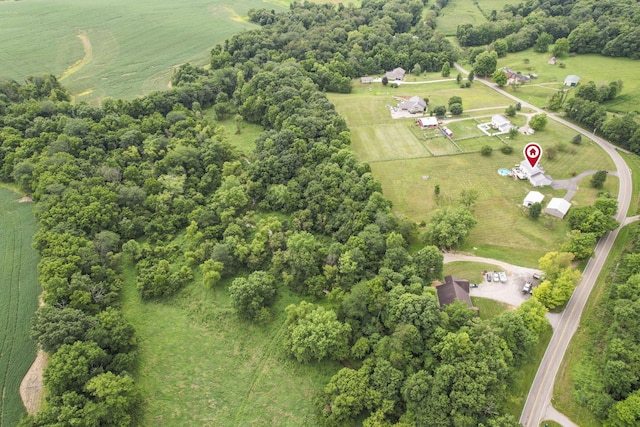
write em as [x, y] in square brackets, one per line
[558, 207]
[571, 80]
[428, 122]
[533, 197]
[396, 74]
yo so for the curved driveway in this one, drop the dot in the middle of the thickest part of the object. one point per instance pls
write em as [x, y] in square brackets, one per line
[538, 404]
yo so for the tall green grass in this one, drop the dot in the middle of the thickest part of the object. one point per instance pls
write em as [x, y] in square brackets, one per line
[19, 289]
[201, 365]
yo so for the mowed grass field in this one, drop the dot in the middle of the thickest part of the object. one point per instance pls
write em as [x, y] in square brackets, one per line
[458, 12]
[597, 68]
[114, 48]
[201, 366]
[410, 165]
[19, 290]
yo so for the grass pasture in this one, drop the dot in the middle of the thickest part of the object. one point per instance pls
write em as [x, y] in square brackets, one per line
[472, 271]
[117, 48]
[199, 365]
[600, 69]
[458, 12]
[19, 289]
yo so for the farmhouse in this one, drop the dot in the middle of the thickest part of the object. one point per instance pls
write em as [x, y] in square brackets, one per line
[571, 80]
[533, 197]
[536, 175]
[414, 105]
[396, 74]
[366, 80]
[500, 122]
[428, 122]
[454, 289]
[558, 207]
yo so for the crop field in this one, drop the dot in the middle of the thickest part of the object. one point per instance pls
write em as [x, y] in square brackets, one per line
[200, 365]
[19, 289]
[600, 69]
[115, 48]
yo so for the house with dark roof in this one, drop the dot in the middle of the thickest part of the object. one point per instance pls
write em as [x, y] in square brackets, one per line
[396, 74]
[414, 105]
[454, 289]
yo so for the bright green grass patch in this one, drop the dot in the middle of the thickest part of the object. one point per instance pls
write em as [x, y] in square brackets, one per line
[598, 68]
[466, 128]
[19, 289]
[134, 45]
[471, 271]
[475, 144]
[388, 141]
[549, 423]
[458, 12]
[587, 339]
[489, 308]
[633, 161]
[245, 140]
[524, 375]
[200, 365]
[587, 194]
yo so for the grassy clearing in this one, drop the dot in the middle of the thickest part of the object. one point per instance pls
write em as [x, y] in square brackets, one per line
[133, 45]
[587, 67]
[578, 357]
[472, 271]
[458, 12]
[489, 308]
[19, 288]
[199, 365]
[245, 140]
[587, 194]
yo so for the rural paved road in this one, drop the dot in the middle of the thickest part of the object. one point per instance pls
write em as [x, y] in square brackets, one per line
[538, 404]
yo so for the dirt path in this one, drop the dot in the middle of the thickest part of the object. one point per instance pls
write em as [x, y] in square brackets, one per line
[88, 55]
[32, 387]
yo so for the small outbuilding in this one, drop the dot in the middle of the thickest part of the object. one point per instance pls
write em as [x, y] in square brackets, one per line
[454, 289]
[558, 207]
[428, 122]
[571, 80]
[366, 80]
[396, 74]
[533, 197]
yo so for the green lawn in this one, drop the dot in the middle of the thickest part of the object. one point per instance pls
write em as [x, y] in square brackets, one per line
[633, 161]
[200, 365]
[489, 308]
[132, 47]
[472, 271]
[598, 68]
[19, 290]
[245, 140]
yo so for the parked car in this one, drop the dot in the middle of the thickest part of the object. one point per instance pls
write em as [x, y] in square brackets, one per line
[536, 276]
[503, 276]
[488, 277]
[496, 276]
[527, 288]
[473, 285]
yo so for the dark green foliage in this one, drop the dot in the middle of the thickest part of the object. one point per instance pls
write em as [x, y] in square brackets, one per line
[251, 296]
[456, 109]
[538, 122]
[598, 179]
[448, 227]
[440, 110]
[507, 149]
[510, 111]
[486, 150]
[535, 210]
[577, 139]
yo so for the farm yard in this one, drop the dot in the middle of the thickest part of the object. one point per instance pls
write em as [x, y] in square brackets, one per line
[19, 288]
[410, 162]
[200, 365]
[114, 48]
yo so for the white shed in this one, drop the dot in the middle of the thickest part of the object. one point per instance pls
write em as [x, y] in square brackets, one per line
[533, 197]
[558, 207]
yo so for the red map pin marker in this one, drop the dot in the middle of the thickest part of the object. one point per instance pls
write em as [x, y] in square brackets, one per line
[532, 152]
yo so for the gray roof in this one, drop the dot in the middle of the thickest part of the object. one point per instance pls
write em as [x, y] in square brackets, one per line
[396, 74]
[558, 207]
[415, 103]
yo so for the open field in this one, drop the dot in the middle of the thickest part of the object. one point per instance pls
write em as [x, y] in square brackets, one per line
[116, 48]
[200, 365]
[458, 12]
[600, 69]
[489, 308]
[19, 289]
[578, 359]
